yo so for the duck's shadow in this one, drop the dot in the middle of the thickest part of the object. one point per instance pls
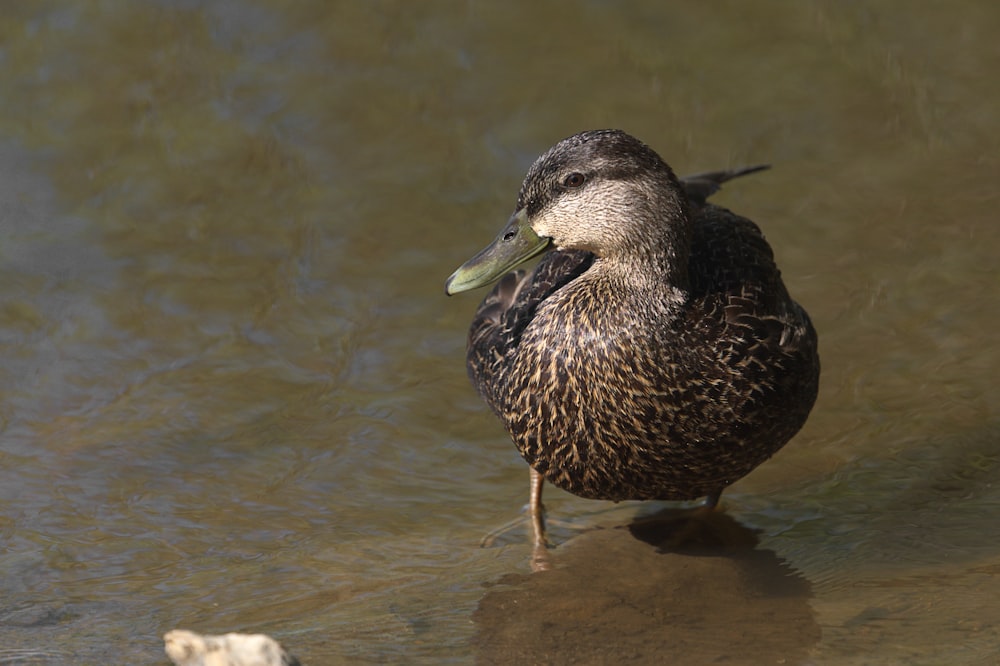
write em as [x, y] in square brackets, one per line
[703, 593]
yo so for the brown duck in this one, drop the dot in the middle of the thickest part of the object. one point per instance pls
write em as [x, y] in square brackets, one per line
[654, 352]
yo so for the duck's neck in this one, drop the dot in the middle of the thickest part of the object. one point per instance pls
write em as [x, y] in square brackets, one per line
[654, 279]
[657, 252]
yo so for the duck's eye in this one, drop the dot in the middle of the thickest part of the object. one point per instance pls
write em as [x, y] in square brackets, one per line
[574, 180]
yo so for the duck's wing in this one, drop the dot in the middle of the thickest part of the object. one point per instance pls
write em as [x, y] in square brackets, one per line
[700, 186]
[507, 310]
[729, 254]
[737, 286]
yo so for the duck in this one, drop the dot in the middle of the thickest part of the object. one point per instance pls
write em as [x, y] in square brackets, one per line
[653, 352]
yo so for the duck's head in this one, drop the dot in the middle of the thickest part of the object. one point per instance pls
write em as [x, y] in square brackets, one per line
[602, 191]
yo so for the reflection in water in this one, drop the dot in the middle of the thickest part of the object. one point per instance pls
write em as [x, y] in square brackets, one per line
[703, 594]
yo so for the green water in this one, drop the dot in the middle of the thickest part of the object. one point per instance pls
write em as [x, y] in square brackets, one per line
[232, 391]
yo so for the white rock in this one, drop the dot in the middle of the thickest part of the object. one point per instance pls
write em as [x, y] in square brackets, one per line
[186, 648]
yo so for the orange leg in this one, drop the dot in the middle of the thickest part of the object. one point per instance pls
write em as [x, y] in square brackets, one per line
[539, 550]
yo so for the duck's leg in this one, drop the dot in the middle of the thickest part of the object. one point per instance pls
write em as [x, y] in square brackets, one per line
[712, 499]
[540, 546]
[536, 514]
[536, 510]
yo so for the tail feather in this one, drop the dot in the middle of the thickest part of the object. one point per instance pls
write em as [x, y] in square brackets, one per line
[700, 186]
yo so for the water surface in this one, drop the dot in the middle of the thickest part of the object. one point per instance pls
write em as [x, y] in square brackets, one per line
[233, 396]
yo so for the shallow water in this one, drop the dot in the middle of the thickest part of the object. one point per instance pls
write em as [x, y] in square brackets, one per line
[233, 396]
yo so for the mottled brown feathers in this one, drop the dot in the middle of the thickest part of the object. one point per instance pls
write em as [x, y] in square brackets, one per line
[619, 379]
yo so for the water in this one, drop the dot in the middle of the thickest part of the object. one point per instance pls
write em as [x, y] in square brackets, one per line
[233, 396]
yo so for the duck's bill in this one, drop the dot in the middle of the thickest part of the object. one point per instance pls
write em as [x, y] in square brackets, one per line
[514, 245]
